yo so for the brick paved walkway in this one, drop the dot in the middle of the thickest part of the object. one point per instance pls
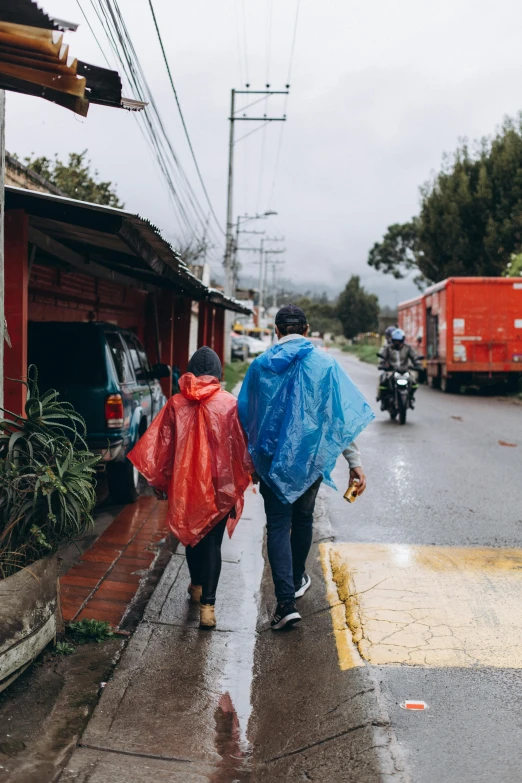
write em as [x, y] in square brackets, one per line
[106, 579]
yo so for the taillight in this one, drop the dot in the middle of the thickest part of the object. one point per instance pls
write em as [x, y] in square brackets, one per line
[114, 411]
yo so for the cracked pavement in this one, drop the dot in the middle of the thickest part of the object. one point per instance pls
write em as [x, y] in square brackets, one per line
[241, 704]
[426, 580]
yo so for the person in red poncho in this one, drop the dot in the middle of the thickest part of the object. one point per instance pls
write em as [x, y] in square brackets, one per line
[195, 452]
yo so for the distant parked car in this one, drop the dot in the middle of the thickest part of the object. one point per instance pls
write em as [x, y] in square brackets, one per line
[255, 346]
[105, 373]
[240, 348]
[318, 342]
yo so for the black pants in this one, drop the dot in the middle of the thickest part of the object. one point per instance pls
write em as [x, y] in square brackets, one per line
[204, 562]
[289, 538]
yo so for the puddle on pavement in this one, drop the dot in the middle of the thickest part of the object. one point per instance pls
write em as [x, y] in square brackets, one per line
[234, 766]
[232, 714]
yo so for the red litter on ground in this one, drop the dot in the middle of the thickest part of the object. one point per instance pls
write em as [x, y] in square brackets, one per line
[414, 705]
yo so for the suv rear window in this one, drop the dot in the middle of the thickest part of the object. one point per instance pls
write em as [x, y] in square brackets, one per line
[119, 357]
[66, 354]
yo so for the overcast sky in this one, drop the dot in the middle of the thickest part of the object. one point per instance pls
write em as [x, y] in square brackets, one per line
[379, 90]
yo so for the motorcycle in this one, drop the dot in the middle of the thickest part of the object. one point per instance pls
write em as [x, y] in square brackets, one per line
[396, 396]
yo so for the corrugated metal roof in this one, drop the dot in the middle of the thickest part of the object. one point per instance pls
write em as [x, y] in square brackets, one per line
[132, 244]
[34, 61]
[28, 13]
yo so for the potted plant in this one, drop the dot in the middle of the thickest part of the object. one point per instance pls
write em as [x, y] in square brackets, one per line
[46, 501]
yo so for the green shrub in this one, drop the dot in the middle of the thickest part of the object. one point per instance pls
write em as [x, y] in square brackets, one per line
[63, 648]
[90, 631]
[46, 479]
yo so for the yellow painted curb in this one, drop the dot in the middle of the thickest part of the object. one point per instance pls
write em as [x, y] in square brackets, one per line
[349, 658]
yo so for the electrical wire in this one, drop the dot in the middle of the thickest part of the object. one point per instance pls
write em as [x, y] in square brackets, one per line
[183, 118]
[238, 44]
[245, 41]
[150, 122]
[93, 34]
[285, 106]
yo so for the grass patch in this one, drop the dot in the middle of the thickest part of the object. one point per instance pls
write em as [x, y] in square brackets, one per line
[366, 353]
[235, 372]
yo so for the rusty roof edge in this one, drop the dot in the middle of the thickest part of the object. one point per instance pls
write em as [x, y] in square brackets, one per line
[228, 302]
[161, 257]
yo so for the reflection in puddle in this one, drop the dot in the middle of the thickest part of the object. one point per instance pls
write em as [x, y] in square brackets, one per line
[234, 765]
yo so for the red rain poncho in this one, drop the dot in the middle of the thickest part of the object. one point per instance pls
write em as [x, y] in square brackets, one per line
[196, 452]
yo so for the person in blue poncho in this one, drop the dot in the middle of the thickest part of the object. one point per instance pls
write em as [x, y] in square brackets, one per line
[300, 411]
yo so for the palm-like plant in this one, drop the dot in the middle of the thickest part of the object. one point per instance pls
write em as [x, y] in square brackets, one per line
[46, 479]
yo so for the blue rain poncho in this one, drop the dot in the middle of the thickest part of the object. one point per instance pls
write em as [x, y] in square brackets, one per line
[300, 410]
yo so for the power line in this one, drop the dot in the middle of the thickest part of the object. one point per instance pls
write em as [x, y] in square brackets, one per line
[290, 66]
[245, 40]
[238, 44]
[150, 121]
[93, 33]
[182, 117]
[292, 50]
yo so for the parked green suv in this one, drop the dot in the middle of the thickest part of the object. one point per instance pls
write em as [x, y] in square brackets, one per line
[104, 372]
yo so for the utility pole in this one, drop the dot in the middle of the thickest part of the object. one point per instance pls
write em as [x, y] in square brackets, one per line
[229, 245]
[270, 253]
[275, 264]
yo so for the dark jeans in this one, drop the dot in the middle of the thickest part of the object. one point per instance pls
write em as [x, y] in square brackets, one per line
[204, 562]
[289, 537]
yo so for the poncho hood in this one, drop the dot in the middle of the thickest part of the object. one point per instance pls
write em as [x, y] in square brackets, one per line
[300, 410]
[199, 388]
[195, 450]
[279, 358]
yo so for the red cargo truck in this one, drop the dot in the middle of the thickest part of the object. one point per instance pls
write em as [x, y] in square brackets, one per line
[470, 331]
[412, 320]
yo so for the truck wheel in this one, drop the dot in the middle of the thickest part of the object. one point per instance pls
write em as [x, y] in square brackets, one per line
[123, 479]
[449, 385]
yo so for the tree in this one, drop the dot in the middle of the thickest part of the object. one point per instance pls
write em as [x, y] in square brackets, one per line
[75, 178]
[514, 268]
[357, 310]
[470, 222]
[321, 314]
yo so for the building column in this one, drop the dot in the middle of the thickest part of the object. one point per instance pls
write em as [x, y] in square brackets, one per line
[16, 284]
[202, 323]
[209, 338]
[182, 313]
[219, 333]
[165, 304]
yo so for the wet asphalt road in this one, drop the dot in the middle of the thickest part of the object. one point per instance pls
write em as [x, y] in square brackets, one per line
[444, 479]
[246, 705]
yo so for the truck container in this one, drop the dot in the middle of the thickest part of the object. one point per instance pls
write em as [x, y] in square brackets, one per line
[412, 320]
[469, 329]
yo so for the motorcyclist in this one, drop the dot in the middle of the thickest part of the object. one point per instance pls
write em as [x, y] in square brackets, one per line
[388, 336]
[398, 356]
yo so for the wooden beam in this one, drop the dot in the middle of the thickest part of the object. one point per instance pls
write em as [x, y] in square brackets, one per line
[82, 263]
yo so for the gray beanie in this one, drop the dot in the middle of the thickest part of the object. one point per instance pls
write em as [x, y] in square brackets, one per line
[205, 362]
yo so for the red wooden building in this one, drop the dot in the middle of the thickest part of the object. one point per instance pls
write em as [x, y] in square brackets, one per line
[67, 260]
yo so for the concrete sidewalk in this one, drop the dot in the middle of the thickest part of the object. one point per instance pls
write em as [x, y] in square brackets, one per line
[179, 704]
[179, 708]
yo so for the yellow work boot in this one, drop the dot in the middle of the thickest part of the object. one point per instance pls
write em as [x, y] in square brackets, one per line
[195, 592]
[207, 617]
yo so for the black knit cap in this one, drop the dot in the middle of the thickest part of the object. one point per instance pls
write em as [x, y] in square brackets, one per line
[290, 315]
[205, 362]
